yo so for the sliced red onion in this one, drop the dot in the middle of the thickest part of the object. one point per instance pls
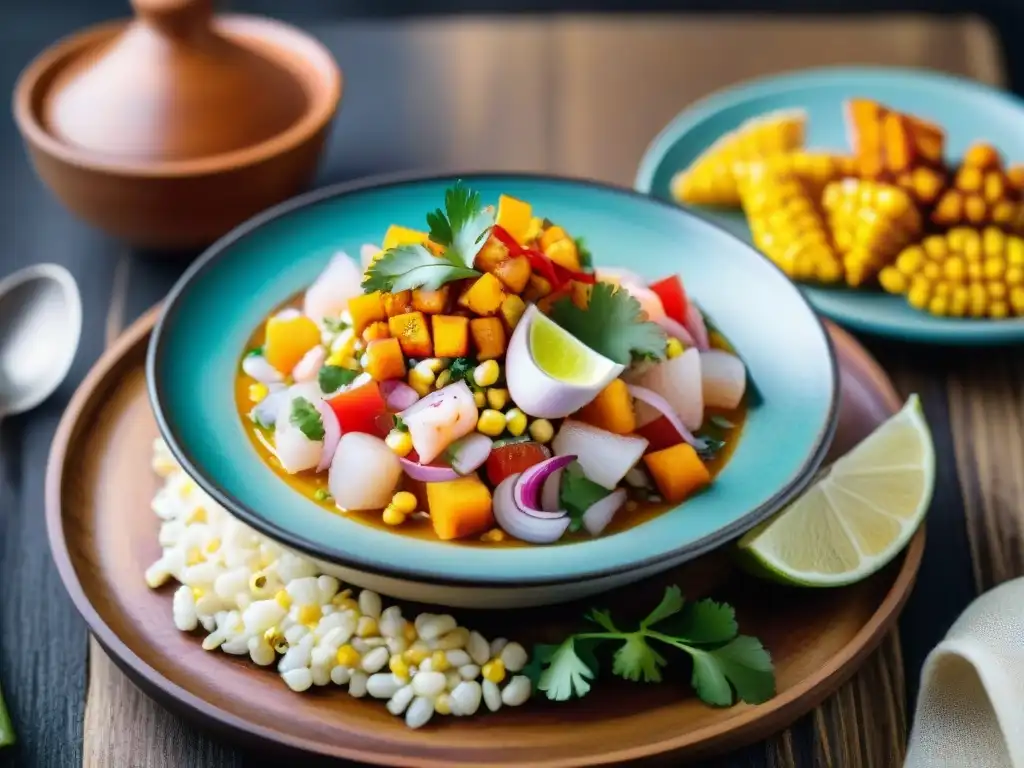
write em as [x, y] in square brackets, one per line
[309, 366]
[723, 378]
[398, 395]
[469, 453]
[550, 492]
[661, 405]
[600, 513]
[696, 326]
[332, 433]
[257, 367]
[527, 490]
[515, 522]
[676, 330]
[428, 473]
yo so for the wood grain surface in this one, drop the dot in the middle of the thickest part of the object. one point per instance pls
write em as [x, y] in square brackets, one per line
[580, 95]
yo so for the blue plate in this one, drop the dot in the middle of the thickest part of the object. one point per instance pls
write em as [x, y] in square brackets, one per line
[228, 292]
[967, 111]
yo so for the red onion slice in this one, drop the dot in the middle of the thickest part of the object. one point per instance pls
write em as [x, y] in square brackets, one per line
[696, 326]
[515, 522]
[428, 473]
[332, 434]
[600, 513]
[469, 453]
[398, 395]
[550, 492]
[676, 330]
[527, 490]
[661, 405]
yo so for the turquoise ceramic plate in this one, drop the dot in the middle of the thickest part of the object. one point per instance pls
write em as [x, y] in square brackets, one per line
[228, 292]
[966, 110]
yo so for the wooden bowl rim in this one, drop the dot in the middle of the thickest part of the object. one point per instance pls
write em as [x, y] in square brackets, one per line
[782, 709]
[325, 97]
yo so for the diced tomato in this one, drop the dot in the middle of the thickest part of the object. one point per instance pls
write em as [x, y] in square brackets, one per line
[362, 410]
[512, 459]
[673, 297]
[660, 434]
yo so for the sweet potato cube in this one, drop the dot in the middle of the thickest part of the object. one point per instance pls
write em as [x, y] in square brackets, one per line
[430, 302]
[551, 236]
[677, 471]
[537, 288]
[288, 340]
[491, 255]
[397, 303]
[580, 293]
[366, 309]
[460, 508]
[384, 360]
[451, 335]
[397, 236]
[512, 309]
[514, 273]
[412, 333]
[376, 330]
[611, 410]
[484, 295]
[514, 217]
[899, 153]
[488, 337]
[563, 253]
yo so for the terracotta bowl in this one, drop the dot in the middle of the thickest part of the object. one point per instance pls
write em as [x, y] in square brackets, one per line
[181, 204]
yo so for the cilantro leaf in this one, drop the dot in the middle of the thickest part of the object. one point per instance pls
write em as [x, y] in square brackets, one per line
[709, 681]
[335, 325]
[743, 664]
[462, 369]
[398, 425]
[704, 622]
[333, 377]
[413, 266]
[584, 255]
[611, 325]
[254, 352]
[579, 493]
[566, 675]
[636, 660]
[602, 618]
[712, 446]
[306, 417]
[671, 604]
[463, 224]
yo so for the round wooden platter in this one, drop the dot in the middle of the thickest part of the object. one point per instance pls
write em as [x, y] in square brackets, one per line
[103, 536]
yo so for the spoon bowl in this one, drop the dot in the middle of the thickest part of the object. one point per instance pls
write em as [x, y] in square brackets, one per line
[40, 327]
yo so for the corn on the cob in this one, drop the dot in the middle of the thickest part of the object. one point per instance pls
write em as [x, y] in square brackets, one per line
[967, 272]
[786, 225]
[710, 180]
[870, 222]
[815, 170]
[982, 193]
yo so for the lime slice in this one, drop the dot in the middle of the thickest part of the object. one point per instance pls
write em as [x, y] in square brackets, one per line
[564, 357]
[857, 517]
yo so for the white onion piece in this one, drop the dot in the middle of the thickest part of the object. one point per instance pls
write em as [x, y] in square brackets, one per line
[696, 326]
[469, 453]
[650, 302]
[528, 489]
[398, 395]
[604, 456]
[266, 410]
[678, 381]
[662, 406]
[676, 330]
[617, 276]
[364, 472]
[328, 296]
[309, 366]
[307, 389]
[439, 419]
[428, 473]
[551, 492]
[257, 367]
[600, 513]
[515, 522]
[724, 378]
[294, 450]
[367, 253]
[332, 434]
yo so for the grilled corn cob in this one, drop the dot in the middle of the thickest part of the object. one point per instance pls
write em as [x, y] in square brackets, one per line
[982, 193]
[870, 222]
[786, 225]
[710, 179]
[967, 272]
[815, 170]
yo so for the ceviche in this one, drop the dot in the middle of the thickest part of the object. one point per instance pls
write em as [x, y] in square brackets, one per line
[481, 382]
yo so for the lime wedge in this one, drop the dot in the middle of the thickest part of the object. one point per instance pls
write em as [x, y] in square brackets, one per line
[857, 517]
[564, 357]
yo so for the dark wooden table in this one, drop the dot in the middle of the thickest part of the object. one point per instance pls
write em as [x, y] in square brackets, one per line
[574, 95]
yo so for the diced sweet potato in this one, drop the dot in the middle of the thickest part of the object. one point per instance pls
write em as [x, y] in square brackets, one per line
[288, 340]
[384, 360]
[460, 508]
[412, 333]
[512, 309]
[365, 309]
[397, 303]
[580, 294]
[488, 337]
[430, 302]
[536, 288]
[564, 254]
[491, 255]
[514, 217]
[514, 273]
[484, 295]
[611, 410]
[551, 236]
[376, 330]
[677, 471]
[397, 236]
[451, 335]
[896, 138]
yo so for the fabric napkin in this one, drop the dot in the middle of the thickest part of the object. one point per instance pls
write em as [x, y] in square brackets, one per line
[970, 711]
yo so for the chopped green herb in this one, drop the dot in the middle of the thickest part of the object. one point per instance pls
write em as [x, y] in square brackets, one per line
[321, 494]
[462, 369]
[254, 352]
[462, 225]
[255, 416]
[335, 325]
[307, 418]
[399, 425]
[721, 422]
[585, 256]
[726, 665]
[712, 446]
[578, 494]
[333, 377]
[413, 266]
[612, 325]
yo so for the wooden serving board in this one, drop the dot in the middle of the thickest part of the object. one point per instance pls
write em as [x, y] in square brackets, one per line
[103, 536]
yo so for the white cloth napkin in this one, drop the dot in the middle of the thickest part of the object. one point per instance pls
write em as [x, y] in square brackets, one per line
[970, 712]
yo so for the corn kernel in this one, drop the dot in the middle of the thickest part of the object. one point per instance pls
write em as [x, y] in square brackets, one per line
[409, 633]
[495, 534]
[541, 430]
[919, 295]
[415, 656]
[399, 667]
[367, 627]
[404, 502]
[444, 378]
[198, 515]
[673, 348]
[1014, 276]
[443, 704]
[994, 188]
[309, 614]
[494, 671]
[982, 156]
[975, 209]
[892, 280]
[958, 301]
[197, 592]
[993, 241]
[971, 245]
[994, 268]
[212, 546]
[336, 359]
[399, 442]
[438, 661]
[486, 373]
[282, 598]
[1003, 212]
[975, 270]
[433, 364]
[479, 398]
[998, 310]
[491, 423]
[939, 305]
[1015, 251]
[347, 656]
[497, 398]
[935, 246]
[515, 422]
[392, 516]
[195, 556]
[910, 260]
[931, 270]
[969, 179]
[258, 391]
[954, 268]
[421, 380]
[1017, 300]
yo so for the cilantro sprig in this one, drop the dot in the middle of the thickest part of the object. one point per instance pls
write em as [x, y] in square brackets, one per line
[463, 224]
[331, 378]
[306, 417]
[578, 494]
[612, 325]
[726, 665]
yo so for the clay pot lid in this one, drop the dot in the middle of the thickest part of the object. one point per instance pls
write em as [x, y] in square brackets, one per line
[169, 88]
